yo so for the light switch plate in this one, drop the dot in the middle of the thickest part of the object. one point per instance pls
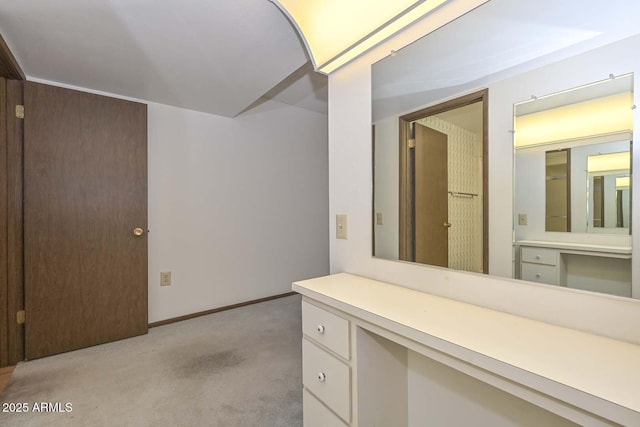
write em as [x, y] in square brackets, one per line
[522, 219]
[342, 226]
[165, 278]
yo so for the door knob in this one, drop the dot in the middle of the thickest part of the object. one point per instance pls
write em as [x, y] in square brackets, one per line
[447, 225]
[138, 231]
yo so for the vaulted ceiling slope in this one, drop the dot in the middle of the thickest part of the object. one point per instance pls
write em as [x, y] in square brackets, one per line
[216, 56]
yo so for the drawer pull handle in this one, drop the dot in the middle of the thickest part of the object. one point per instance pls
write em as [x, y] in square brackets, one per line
[538, 275]
[321, 376]
[320, 329]
[537, 256]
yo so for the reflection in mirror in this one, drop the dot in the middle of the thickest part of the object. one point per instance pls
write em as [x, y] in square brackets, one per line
[558, 191]
[582, 135]
[442, 184]
[608, 184]
[512, 50]
[580, 188]
[607, 189]
[578, 144]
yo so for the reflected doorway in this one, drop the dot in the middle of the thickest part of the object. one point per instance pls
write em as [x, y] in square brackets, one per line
[443, 185]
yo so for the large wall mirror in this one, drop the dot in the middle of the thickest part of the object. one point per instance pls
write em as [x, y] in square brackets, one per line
[497, 80]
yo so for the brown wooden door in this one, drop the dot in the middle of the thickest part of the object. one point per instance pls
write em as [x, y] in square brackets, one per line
[431, 197]
[85, 191]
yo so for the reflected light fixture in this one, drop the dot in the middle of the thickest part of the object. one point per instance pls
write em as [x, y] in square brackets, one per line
[600, 116]
[622, 183]
[609, 162]
[337, 31]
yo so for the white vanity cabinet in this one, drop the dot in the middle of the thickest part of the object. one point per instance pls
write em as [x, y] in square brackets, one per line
[597, 268]
[326, 371]
[316, 414]
[540, 265]
[380, 354]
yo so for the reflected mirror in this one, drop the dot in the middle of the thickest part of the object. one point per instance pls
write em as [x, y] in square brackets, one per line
[609, 208]
[538, 207]
[573, 152]
[575, 144]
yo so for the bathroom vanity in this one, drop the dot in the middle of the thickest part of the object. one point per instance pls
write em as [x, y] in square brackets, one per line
[380, 354]
[598, 268]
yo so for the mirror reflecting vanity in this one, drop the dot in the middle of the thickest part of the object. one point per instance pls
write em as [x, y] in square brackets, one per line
[572, 187]
[569, 129]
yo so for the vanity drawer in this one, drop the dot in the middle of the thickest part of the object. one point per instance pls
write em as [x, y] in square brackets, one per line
[540, 273]
[315, 414]
[539, 255]
[326, 328]
[327, 378]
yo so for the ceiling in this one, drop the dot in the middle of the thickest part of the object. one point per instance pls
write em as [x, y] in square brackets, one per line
[221, 57]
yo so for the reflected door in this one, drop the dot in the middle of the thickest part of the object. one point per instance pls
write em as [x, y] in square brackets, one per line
[431, 199]
[443, 185]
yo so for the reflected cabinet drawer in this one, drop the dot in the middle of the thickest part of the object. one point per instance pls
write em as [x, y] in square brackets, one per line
[315, 414]
[326, 328]
[539, 255]
[540, 273]
[328, 378]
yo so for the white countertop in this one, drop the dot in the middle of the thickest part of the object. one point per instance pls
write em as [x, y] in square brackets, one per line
[559, 358]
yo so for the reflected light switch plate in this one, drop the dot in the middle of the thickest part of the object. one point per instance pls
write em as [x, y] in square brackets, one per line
[342, 226]
[522, 219]
[379, 218]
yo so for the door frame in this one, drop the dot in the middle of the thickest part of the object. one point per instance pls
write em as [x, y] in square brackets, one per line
[4, 254]
[11, 258]
[11, 272]
[406, 207]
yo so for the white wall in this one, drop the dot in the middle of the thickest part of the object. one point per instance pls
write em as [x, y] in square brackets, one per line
[237, 207]
[350, 180]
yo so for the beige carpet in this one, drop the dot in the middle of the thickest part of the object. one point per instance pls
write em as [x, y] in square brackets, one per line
[236, 368]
